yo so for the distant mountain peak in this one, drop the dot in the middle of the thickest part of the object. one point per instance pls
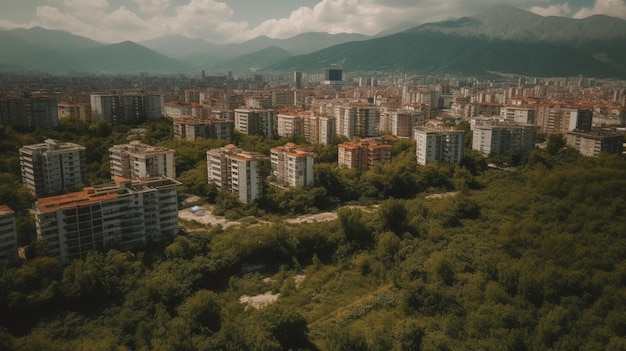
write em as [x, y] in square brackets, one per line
[510, 23]
[503, 39]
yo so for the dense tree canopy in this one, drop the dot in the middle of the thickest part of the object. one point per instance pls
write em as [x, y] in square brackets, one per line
[432, 257]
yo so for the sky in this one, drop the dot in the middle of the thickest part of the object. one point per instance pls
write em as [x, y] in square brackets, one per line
[223, 21]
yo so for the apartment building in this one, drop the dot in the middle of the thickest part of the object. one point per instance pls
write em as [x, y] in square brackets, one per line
[499, 139]
[400, 123]
[124, 215]
[237, 171]
[260, 100]
[319, 129]
[289, 125]
[76, 110]
[362, 154]
[8, 234]
[283, 97]
[555, 119]
[49, 167]
[138, 160]
[439, 144]
[193, 95]
[597, 141]
[292, 165]
[175, 109]
[579, 120]
[357, 119]
[191, 128]
[255, 121]
[36, 111]
[518, 114]
[127, 108]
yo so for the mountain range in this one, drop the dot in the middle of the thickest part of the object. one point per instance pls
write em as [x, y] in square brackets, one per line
[503, 39]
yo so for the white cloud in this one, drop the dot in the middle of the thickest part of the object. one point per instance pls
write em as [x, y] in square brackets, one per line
[552, 10]
[4, 24]
[53, 18]
[152, 7]
[85, 10]
[208, 19]
[372, 16]
[109, 21]
[125, 21]
[615, 8]
[337, 16]
[85, 5]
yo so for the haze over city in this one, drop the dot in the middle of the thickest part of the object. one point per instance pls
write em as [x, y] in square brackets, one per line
[110, 21]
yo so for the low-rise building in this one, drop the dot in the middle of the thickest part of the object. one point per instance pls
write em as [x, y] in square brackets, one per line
[124, 215]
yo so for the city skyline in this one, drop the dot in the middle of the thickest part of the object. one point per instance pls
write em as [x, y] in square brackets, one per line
[216, 21]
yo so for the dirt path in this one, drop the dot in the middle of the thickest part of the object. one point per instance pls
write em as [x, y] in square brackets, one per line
[205, 216]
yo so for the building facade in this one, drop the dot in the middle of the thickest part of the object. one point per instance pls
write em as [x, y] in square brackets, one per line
[289, 126]
[76, 110]
[354, 120]
[125, 215]
[517, 114]
[255, 122]
[49, 167]
[8, 234]
[138, 160]
[597, 141]
[319, 129]
[499, 139]
[31, 112]
[127, 108]
[292, 165]
[400, 123]
[555, 119]
[191, 128]
[234, 170]
[363, 154]
[333, 77]
[438, 144]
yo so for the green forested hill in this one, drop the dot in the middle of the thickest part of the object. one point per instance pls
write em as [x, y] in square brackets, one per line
[528, 259]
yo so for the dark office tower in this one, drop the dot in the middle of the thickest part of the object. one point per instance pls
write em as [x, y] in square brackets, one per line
[581, 121]
[333, 75]
[297, 79]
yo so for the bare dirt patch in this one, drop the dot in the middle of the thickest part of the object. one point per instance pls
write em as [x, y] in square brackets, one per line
[205, 216]
[442, 195]
[259, 301]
